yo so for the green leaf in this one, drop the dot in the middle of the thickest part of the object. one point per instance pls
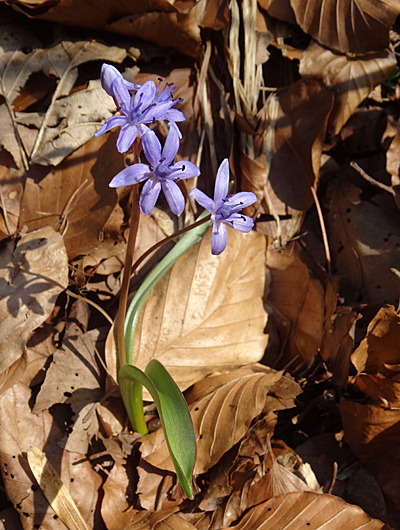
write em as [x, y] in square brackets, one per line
[174, 414]
[132, 315]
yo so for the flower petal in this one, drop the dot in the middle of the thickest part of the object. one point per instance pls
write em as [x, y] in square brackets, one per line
[239, 222]
[131, 175]
[202, 199]
[148, 197]
[171, 146]
[174, 115]
[184, 170]
[174, 196]
[145, 95]
[219, 238]
[122, 95]
[237, 202]
[151, 147]
[126, 137]
[114, 121]
[108, 74]
[222, 182]
[173, 125]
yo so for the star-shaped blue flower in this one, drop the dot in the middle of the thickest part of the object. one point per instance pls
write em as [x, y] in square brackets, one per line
[148, 105]
[160, 173]
[224, 209]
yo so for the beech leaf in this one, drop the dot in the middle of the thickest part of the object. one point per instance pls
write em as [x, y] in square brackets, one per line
[32, 274]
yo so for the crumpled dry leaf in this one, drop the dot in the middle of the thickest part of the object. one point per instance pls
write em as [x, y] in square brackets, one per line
[307, 510]
[33, 272]
[350, 26]
[207, 313]
[222, 408]
[74, 377]
[116, 511]
[75, 198]
[372, 424]
[162, 22]
[352, 78]
[292, 149]
[364, 238]
[71, 119]
[20, 430]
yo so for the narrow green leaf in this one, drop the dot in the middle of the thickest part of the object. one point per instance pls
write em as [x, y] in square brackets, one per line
[187, 241]
[174, 415]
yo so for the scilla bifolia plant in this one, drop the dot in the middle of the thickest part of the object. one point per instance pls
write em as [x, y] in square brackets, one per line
[148, 105]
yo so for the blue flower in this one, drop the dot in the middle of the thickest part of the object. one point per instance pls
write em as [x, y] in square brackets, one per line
[147, 106]
[160, 172]
[224, 209]
[108, 75]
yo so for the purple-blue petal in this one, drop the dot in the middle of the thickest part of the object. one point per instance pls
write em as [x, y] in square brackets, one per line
[174, 196]
[108, 74]
[148, 197]
[219, 237]
[184, 170]
[174, 115]
[126, 137]
[237, 202]
[145, 95]
[222, 182]
[131, 175]
[239, 222]
[122, 95]
[171, 146]
[151, 147]
[173, 125]
[114, 121]
[203, 199]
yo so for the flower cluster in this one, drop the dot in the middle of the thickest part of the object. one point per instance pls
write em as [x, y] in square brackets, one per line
[150, 104]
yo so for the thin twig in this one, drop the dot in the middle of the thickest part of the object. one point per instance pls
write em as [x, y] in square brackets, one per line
[93, 304]
[323, 230]
[371, 180]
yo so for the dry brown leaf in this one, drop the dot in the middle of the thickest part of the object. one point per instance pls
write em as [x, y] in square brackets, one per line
[33, 272]
[74, 377]
[307, 510]
[349, 26]
[297, 301]
[364, 238]
[292, 149]
[207, 313]
[162, 22]
[222, 408]
[352, 78]
[381, 347]
[20, 430]
[71, 119]
[280, 9]
[116, 507]
[75, 198]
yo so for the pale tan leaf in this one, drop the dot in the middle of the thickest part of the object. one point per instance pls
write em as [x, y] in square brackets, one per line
[349, 26]
[75, 198]
[20, 431]
[222, 408]
[116, 510]
[74, 377]
[32, 274]
[352, 78]
[55, 491]
[207, 313]
[308, 510]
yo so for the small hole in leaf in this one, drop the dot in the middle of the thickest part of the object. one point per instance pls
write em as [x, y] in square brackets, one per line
[55, 516]
[26, 514]
[200, 437]
[11, 476]
[269, 509]
[196, 409]
[67, 394]
[72, 479]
